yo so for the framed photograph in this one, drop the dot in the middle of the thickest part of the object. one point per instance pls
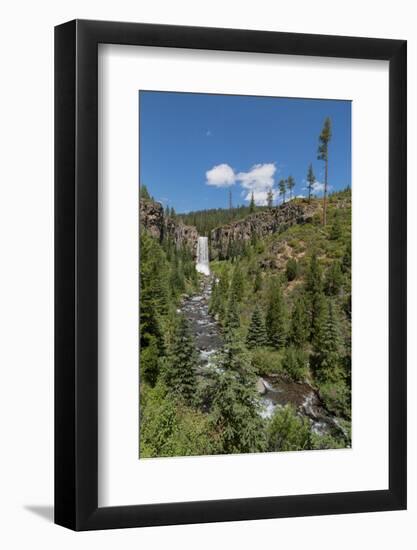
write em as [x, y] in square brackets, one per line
[230, 244]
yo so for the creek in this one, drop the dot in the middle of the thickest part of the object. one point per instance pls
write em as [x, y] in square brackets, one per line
[275, 391]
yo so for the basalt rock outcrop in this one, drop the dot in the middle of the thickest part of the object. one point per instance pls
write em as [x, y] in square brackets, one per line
[261, 224]
[153, 218]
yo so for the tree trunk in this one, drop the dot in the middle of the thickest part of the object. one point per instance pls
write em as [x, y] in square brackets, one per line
[325, 195]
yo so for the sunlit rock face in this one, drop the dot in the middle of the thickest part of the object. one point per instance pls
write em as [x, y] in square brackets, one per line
[153, 218]
[261, 224]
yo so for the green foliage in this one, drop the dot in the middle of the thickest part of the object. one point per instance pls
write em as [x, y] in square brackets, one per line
[252, 204]
[334, 279]
[295, 363]
[179, 369]
[282, 186]
[266, 361]
[144, 193]
[257, 285]
[186, 413]
[236, 404]
[256, 336]
[314, 288]
[276, 316]
[290, 185]
[327, 346]
[232, 319]
[311, 178]
[321, 442]
[336, 228]
[323, 154]
[219, 296]
[287, 431]
[154, 289]
[269, 198]
[237, 284]
[314, 282]
[324, 138]
[149, 361]
[291, 269]
[169, 429]
[336, 396]
[347, 258]
[300, 326]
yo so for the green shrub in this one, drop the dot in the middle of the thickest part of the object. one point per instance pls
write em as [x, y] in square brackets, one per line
[291, 269]
[265, 361]
[295, 363]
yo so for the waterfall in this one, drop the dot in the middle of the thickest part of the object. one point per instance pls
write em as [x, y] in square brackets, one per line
[203, 256]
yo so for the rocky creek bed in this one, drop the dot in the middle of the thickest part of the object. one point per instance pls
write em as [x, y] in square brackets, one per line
[275, 391]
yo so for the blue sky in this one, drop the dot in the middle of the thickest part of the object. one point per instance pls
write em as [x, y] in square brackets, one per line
[194, 148]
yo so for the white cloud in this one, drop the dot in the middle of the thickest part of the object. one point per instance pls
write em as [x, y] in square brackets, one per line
[261, 197]
[221, 175]
[259, 178]
[317, 187]
[209, 133]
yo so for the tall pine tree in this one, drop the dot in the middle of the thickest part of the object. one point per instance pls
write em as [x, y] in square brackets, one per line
[328, 346]
[323, 154]
[290, 185]
[311, 178]
[314, 288]
[236, 404]
[282, 186]
[276, 316]
[252, 204]
[299, 329]
[181, 364]
[256, 336]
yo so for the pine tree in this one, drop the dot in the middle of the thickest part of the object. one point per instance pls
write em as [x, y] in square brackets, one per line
[238, 283]
[290, 185]
[295, 363]
[270, 198]
[347, 258]
[334, 279]
[323, 154]
[149, 361]
[314, 288]
[317, 318]
[180, 368]
[314, 283]
[252, 204]
[336, 228]
[257, 285]
[219, 296]
[282, 185]
[236, 404]
[291, 269]
[328, 348]
[143, 192]
[299, 329]
[276, 316]
[232, 318]
[154, 292]
[287, 431]
[256, 336]
[311, 178]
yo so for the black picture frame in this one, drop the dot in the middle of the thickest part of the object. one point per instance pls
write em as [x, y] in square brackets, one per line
[76, 272]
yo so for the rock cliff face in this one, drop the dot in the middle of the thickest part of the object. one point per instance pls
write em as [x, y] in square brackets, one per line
[264, 223]
[152, 217]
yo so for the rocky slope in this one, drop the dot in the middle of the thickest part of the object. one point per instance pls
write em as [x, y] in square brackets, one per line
[261, 224]
[153, 218]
